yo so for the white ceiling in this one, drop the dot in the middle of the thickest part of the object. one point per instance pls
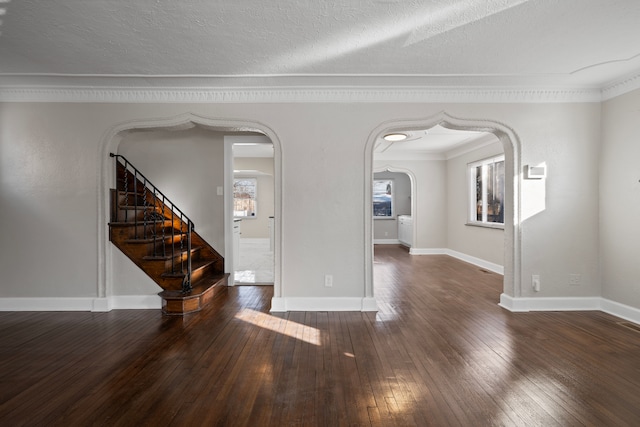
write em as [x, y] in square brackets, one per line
[401, 44]
[481, 43]
[250, 145]
[435, 143]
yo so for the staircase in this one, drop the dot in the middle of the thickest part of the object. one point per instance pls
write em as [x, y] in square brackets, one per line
[159, 238]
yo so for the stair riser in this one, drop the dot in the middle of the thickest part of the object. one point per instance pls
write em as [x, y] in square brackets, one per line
[170, 284]
[195, 255]
[182, 306]
[175, 283]
[201, 272]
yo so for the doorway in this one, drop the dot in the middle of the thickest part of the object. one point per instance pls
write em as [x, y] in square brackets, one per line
[392, 207]
[434, 207]
[253, 209]
[110, 142]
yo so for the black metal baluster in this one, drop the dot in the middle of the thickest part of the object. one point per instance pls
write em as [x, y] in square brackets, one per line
[189, 227]
[182, 236]
[173, 244]
[155, 220]
[145, 208]
[164, 243]
[135, 204]
[126, 194]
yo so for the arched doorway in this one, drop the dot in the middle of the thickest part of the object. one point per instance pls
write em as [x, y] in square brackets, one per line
[404, 196]
[110, 143]
[510, 144]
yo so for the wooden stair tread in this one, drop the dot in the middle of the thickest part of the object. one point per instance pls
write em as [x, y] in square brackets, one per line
[195, 265]
[138, 223]
[132, 193]
[140, 208]
[167, 236]
[167, 257]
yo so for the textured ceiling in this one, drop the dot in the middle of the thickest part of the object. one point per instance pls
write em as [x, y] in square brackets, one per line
[580, 43]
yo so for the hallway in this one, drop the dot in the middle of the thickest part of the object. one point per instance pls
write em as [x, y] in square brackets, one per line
[439, 352]
[256, 264]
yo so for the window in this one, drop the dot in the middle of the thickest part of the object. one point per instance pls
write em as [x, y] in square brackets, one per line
[382, 198]
[244, 197]
[486, 190]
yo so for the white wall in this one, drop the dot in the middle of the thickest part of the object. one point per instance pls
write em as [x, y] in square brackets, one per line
[560, 213]
[387, 229]
[187, 166]
[620, 199]
[258, 226]
[51, 158]
[480, 242]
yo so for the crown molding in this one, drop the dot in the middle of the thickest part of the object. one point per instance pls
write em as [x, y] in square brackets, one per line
[621, 86]
[307, 88]
[320, 94]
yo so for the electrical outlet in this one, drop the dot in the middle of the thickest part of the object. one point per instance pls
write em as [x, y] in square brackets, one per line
[574, 279]
[328, 280]
[535, 282]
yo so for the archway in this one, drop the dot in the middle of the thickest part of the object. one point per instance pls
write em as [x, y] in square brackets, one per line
[510, 143]
[412, 182]
[106, 178]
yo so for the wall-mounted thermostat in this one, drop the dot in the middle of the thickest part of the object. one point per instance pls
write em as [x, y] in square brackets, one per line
[535, 172]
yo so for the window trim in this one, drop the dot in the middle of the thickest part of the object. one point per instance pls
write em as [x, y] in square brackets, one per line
[471, 193]
[393, 196]
[255, 199]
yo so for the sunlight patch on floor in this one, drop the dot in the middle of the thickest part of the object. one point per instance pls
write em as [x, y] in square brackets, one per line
[282, 326]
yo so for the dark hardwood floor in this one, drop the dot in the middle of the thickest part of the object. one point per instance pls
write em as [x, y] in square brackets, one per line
[439, 352]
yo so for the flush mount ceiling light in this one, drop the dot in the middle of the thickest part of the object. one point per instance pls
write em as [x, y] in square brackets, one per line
[395, 137]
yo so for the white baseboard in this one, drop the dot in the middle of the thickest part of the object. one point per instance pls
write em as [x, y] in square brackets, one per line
[617, 309]
[142, 302]
[280, 304]
[81, 304]
[496, 268]
[386, 242]
[549, 304]
[101, 305]
[136, 302]
[46, 304]
[322, 304]
[427, 251]
[369, 304]
[620, 310]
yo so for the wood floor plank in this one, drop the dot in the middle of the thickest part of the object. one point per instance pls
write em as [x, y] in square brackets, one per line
[439, 352]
